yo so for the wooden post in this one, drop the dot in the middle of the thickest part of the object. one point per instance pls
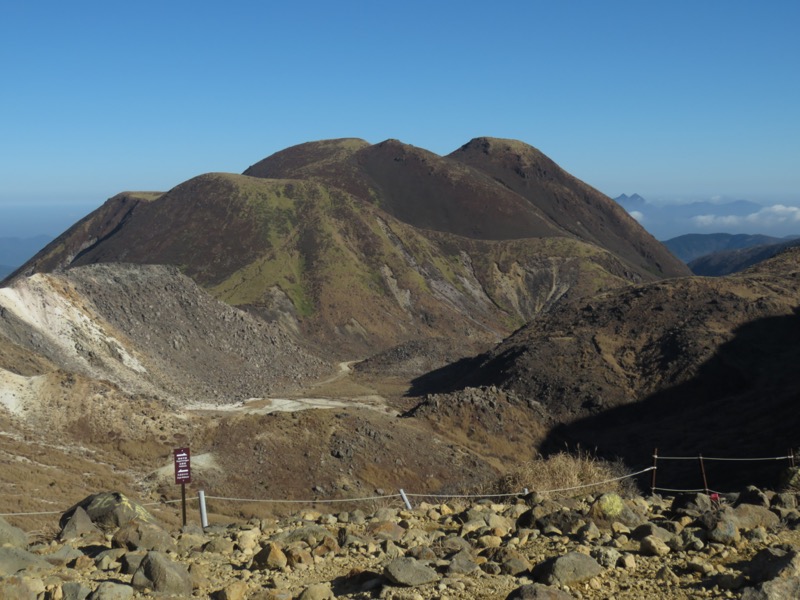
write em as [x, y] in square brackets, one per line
[655, 468]
[703, 471]
[183, 502]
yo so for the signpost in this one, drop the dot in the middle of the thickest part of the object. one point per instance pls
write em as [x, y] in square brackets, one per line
[183, 474]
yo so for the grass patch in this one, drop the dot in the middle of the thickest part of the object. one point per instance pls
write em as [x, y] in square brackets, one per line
[552, 476]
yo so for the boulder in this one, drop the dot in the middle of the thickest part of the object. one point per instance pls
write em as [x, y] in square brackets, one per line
[80, 527]
[386, 530]
[692, 505]
[753, 495]
[569, 569]
[409, 572]
[317, 591]
[234, 591]
[310, 534]
[74, 590]
[462, 563]
[162, 575]
[270, 556]
[537, 591]
[612, 508]
[653, 546]
[13, 560]
[750, 516]
[777, 589]
[12, 536]
[771, 563]
[19, 588]
[726, 532]
[108, 510]
[141, 535]
[109, 590]
[62, 556]
[651, 529]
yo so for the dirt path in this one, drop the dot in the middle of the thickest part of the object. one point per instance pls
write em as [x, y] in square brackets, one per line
[264, 406]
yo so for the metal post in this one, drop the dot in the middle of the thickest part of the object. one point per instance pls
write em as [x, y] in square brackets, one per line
[405, 499]
[655, 468]
[201, 495]
[791, 457]
[183, 502]
[703, 471]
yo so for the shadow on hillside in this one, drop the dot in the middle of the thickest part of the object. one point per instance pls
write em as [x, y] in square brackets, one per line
[743, 402]
[449, 378]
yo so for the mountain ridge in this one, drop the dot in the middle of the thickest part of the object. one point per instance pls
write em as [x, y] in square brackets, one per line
[440, 247]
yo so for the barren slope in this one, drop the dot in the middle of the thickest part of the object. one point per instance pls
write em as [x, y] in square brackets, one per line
[696, 365]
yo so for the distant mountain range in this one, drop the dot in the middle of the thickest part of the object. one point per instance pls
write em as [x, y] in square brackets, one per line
[666, 221]
[692, 246]
[726, 262]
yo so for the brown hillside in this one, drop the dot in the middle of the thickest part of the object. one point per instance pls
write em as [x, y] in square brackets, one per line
[568, 202]
[416, 186]
[688, 365]
[488, 189]
[359, 247]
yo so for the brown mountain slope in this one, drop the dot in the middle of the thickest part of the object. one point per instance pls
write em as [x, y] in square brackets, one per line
[694, 365]
[488, 189]
[568, 202]
[416, 186]
[336, 270]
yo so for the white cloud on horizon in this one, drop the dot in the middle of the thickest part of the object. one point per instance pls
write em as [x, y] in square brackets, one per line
[769, 216]
[637, 215]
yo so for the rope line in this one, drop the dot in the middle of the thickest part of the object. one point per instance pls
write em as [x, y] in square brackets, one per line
[327, 501]
[717, 458]
[49, 512]
[463, 495]
[412, 495]
[585, 485]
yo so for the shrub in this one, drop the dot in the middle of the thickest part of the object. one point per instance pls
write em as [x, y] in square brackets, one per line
[563, 471]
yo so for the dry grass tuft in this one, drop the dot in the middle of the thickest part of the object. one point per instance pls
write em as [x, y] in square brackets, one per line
[554, 475]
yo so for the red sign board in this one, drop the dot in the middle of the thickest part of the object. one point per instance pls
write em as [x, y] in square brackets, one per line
[183, 467]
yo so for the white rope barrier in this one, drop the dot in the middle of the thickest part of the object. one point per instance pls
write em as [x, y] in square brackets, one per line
[658, 457]
[585, 485]
[22, 514]
[325, 501]
[410, 495]
[464, 495]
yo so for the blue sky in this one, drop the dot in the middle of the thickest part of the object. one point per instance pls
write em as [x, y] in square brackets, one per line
[673, 100]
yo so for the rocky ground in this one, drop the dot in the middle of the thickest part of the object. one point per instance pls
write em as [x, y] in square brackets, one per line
[597, 547]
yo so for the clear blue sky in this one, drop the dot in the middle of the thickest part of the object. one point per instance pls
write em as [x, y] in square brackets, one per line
[668, 99]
